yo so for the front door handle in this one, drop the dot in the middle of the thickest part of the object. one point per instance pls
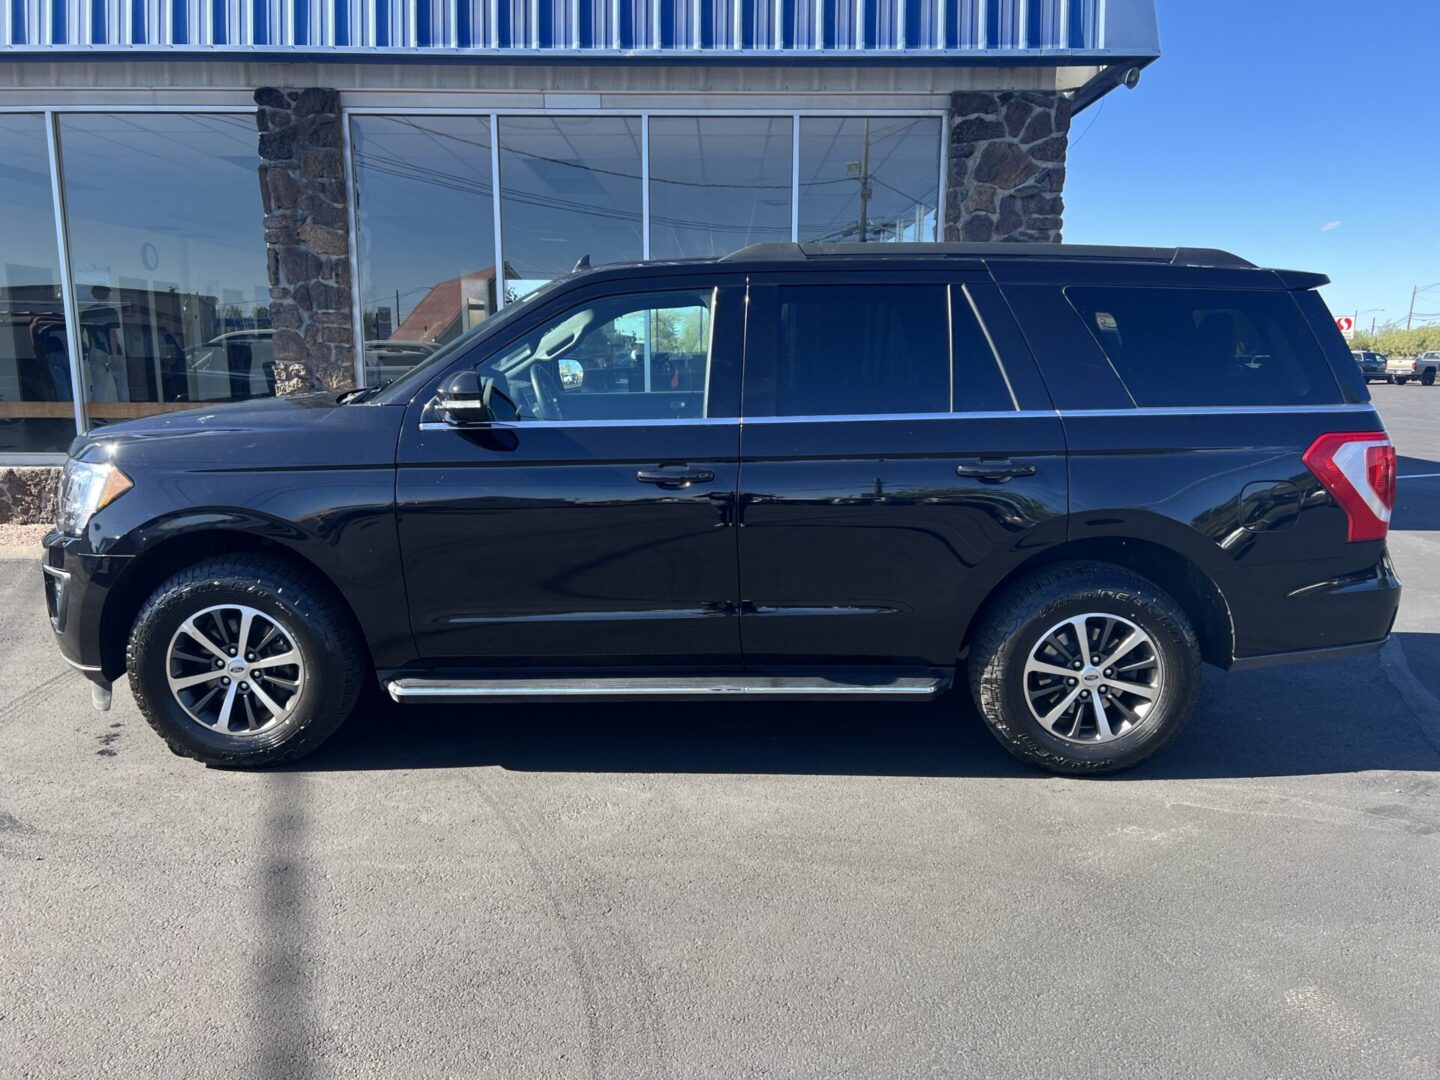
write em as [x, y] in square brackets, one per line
[675, 477]
[995, 470]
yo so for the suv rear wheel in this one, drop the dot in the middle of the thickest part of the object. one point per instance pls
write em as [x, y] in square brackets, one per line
[243, 661]
[1085, 668]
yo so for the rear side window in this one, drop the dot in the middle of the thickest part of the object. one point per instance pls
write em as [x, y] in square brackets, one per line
[1207, 347]
[845, 350]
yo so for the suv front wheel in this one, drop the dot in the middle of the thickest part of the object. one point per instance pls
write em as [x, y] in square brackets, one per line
[1085, 668]
[243, 660]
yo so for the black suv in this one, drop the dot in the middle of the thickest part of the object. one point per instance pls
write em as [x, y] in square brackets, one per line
[1061, 476]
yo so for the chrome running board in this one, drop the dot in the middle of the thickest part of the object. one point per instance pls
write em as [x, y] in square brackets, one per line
[695, 687]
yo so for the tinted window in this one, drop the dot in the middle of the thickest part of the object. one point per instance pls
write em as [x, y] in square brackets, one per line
[979, 384]
[1207, 347]
[639, 357]
[849, 349]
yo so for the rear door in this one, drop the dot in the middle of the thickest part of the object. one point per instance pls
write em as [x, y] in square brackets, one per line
[891, 468]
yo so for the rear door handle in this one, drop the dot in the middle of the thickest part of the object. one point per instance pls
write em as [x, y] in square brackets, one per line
[676, 477]
[995, 470]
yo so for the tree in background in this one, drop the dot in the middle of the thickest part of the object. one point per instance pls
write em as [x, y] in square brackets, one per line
[1392, 340]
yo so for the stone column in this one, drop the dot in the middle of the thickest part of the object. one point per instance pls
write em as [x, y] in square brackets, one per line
[1007, 166]
[307, 239]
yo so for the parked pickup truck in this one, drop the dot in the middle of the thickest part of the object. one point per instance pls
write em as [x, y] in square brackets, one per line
[1374, 366]
[1422, 368]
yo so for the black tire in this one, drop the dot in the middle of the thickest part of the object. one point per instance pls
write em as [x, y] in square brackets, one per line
[334, 656]
[1427, 377]
[1401, 382]
[1014, 625]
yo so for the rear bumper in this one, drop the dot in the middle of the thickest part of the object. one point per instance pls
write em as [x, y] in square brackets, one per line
[76, 586]
[1279, 621]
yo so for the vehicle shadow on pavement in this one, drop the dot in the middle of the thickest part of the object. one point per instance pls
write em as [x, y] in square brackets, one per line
[1342, 717]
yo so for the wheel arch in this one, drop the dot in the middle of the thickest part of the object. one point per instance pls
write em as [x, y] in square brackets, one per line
[1192, 588]
[148, 569]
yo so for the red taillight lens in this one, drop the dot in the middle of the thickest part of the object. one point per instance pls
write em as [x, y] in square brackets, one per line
[1357, 468]
[1380, 471]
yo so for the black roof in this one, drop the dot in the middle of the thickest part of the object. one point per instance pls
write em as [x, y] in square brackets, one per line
[1177, 256]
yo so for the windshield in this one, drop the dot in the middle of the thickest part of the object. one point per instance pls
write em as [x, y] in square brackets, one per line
[409, 384]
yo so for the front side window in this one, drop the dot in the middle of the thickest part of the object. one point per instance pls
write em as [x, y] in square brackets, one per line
[1207, 347]
[639, 357]
[848, 350]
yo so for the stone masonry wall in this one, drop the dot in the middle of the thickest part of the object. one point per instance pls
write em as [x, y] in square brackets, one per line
[1007, 166]
[307, 239]
[27, 494]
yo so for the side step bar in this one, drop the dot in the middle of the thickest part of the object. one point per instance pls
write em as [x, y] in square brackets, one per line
[698, 687]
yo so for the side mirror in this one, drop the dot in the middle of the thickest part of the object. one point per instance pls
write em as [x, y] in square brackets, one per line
[572, 375]
[467, 400]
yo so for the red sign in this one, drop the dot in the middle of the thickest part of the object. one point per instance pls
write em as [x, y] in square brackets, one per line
[1346, 323]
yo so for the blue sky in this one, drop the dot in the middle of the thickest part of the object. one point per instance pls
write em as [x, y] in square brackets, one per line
[1296, 133]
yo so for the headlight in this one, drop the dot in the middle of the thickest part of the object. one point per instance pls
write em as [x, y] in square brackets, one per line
[86, 489]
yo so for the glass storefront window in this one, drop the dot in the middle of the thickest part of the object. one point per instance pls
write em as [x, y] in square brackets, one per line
[167, 258]
[718, 184]
[426, 230]
[36, 411]
[869, 179]
[569, 187]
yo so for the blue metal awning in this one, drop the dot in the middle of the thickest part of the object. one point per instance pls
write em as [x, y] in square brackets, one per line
[997, 31]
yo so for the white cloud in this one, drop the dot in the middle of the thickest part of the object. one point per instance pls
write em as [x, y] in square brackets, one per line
[1330, 225]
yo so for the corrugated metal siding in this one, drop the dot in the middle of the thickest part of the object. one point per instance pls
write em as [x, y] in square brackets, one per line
[1064, 28]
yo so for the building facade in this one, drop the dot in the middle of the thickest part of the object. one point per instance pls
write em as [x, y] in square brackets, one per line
[209, 200]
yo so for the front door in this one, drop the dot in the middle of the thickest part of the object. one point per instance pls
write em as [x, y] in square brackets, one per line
[596, 526]
[891, 471]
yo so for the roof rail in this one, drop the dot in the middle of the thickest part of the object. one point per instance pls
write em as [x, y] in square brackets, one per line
[1184, 256]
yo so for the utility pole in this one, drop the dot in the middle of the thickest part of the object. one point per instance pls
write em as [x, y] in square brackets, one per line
[864, 181]
[1411, 317]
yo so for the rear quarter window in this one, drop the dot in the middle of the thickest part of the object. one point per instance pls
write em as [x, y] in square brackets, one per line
[1207, 347]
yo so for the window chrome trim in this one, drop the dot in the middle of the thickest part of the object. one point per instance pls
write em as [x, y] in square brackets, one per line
[1220, 410]
[906, 417]
[523, 425]
[1023, 414]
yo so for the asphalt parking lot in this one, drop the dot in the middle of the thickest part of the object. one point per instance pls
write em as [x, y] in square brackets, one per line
[737, 890]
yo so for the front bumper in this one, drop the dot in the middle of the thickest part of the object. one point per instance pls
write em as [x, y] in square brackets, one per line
[77, 584]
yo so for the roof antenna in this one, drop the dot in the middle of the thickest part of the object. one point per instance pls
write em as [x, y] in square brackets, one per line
[582, 263]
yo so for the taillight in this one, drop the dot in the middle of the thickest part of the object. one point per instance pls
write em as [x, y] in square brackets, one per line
[1357, 468]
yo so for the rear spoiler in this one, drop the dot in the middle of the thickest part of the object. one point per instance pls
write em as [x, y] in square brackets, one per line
[1298, 280]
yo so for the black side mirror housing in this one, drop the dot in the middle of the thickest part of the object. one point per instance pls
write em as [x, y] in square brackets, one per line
[467, 400]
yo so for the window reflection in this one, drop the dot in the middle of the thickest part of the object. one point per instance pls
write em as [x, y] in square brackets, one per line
[426, 231]
[637, 357]
[869, 179]
[36, 413]
[167, 258]
[569, 187]
[718, 184]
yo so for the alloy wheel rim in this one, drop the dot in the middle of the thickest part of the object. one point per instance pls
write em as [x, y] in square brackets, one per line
[235, 670]
[1093, 678]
